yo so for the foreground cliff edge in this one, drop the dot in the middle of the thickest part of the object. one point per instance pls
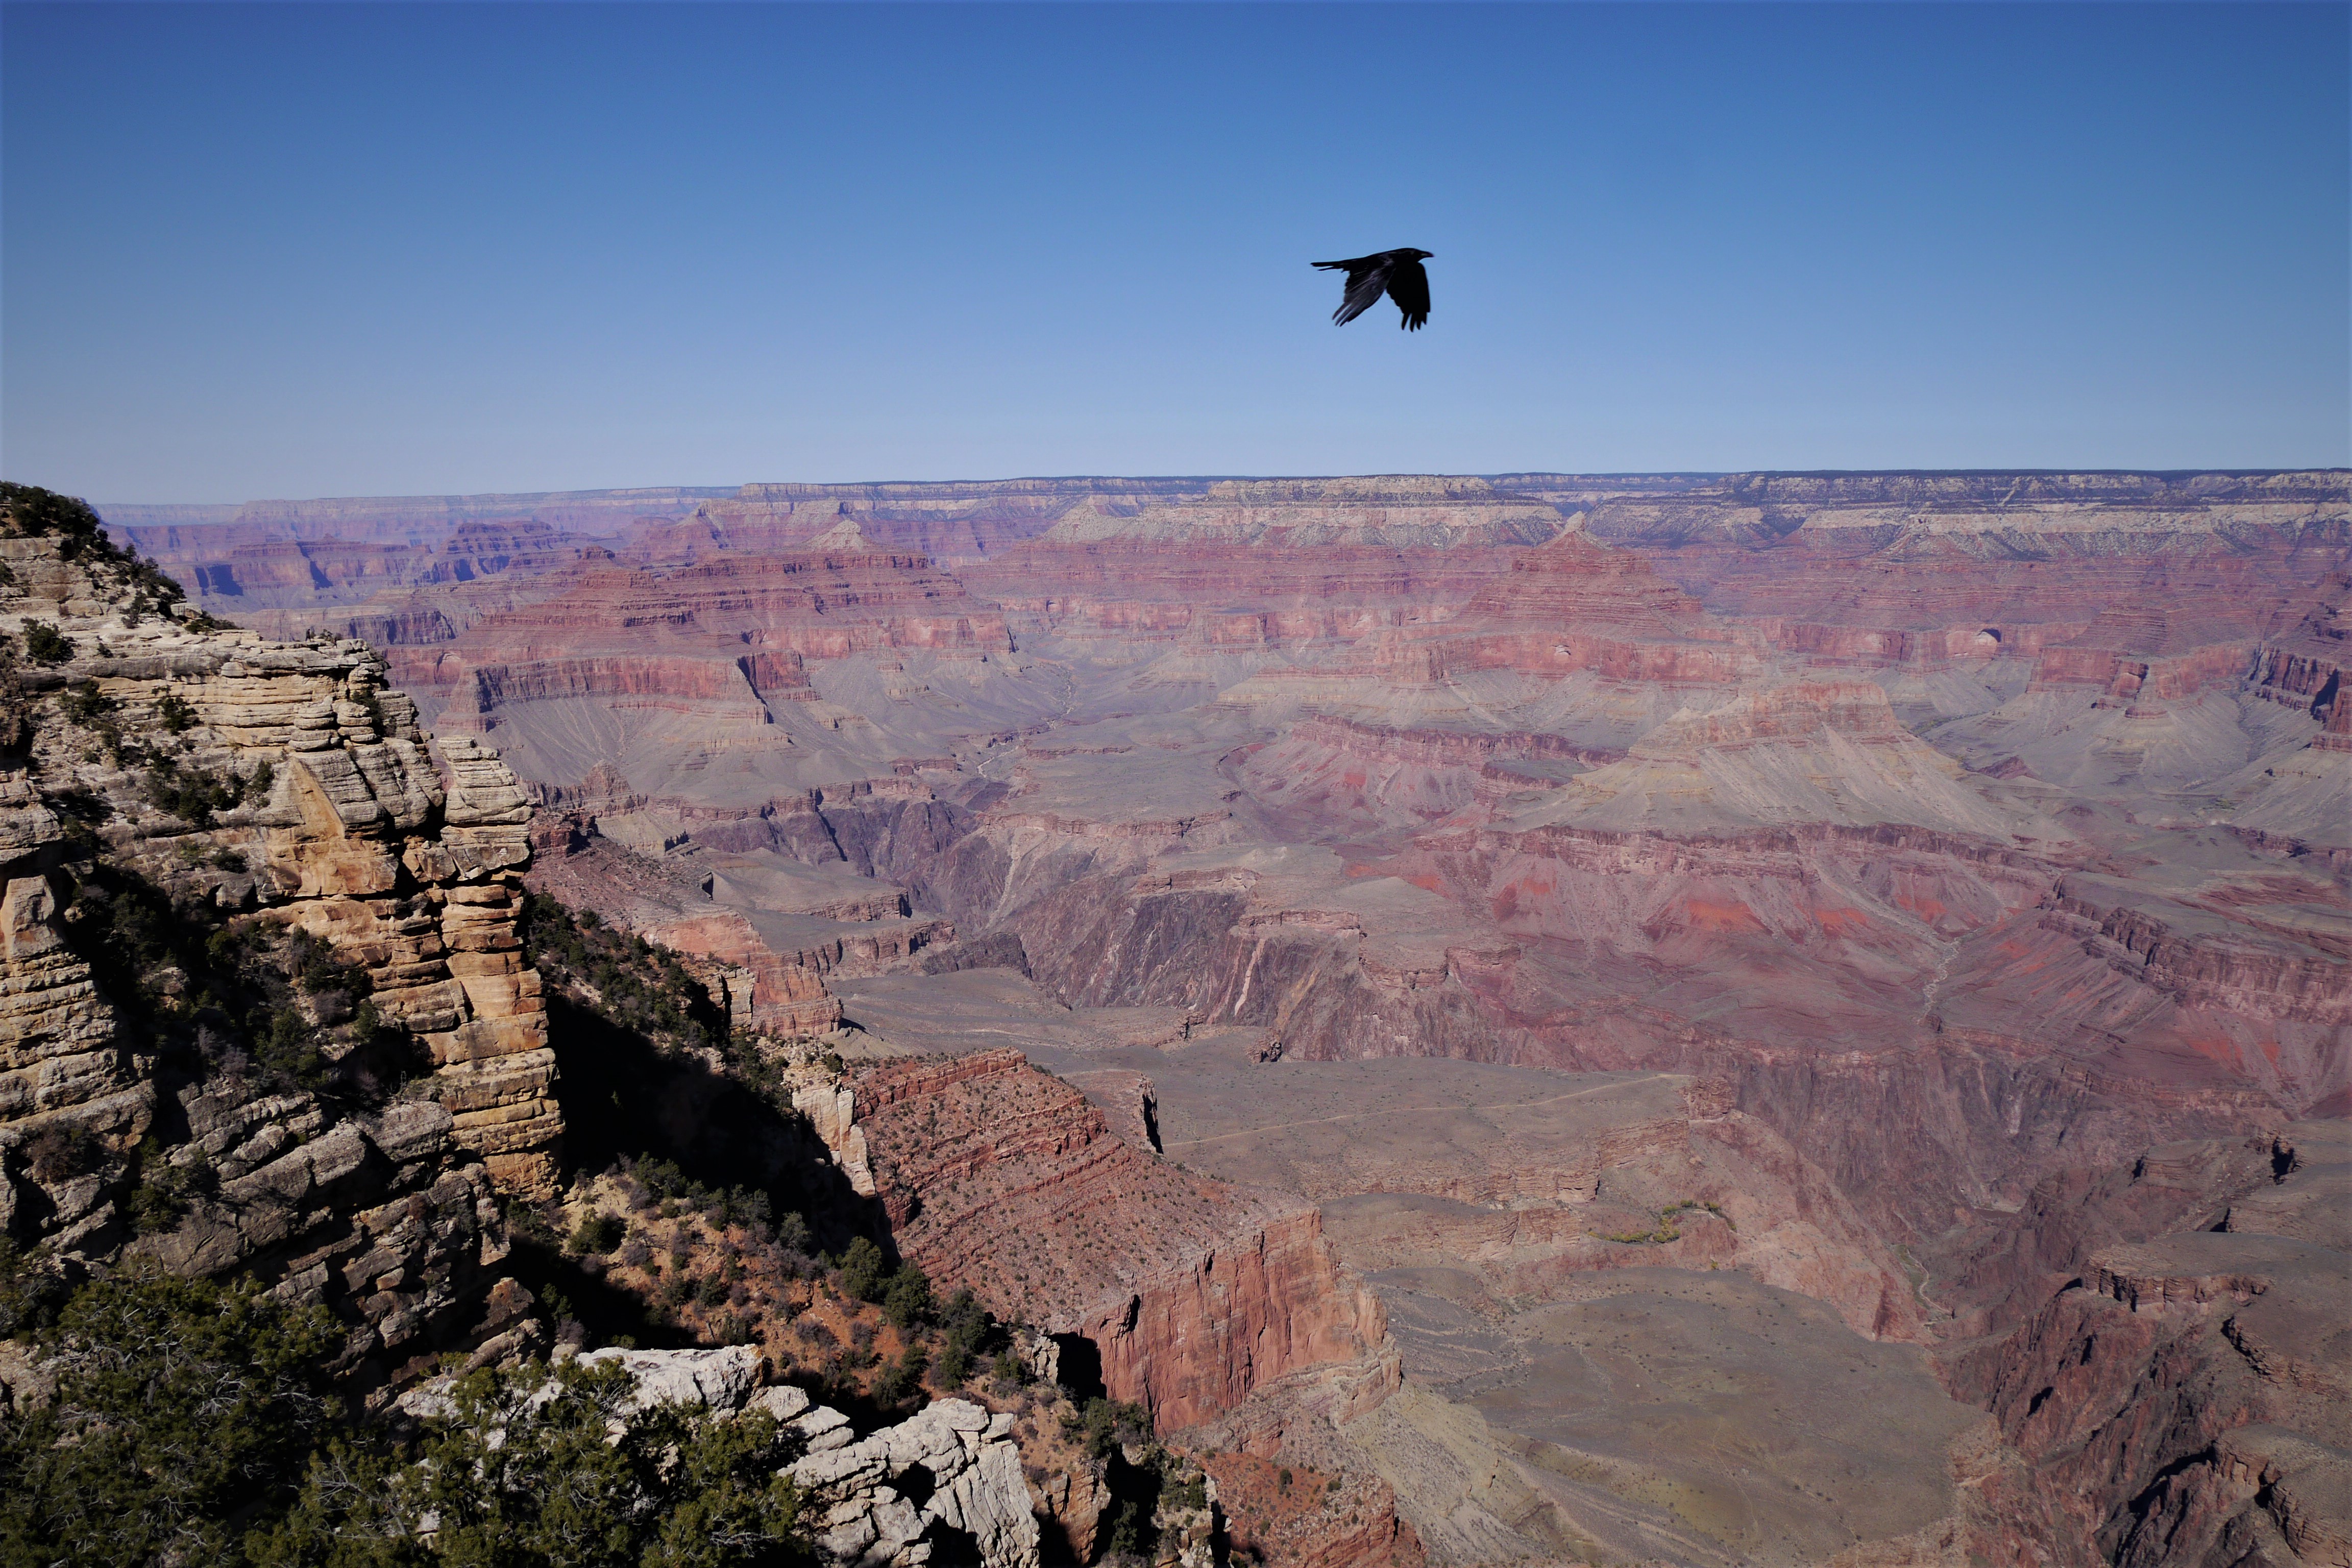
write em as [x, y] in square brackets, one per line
[175, 792]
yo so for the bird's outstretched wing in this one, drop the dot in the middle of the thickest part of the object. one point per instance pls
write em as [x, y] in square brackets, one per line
[1409, 286]
[1368, 279]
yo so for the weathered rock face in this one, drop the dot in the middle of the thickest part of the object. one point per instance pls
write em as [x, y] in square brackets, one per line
[970, 1468]
[1303, 1518]
[2181, 1393]
[285, 789]
[823, 603]
[1917, 552]
[1001, 1178]
[65, 1064]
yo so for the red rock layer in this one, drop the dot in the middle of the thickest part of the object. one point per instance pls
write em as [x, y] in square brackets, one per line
[999, 1177]
[1897, 569]
[1300, 1516]
[1236, 593]
[819, 603]
[1344, 770]
[1577, 604]
[2220, 667]
[2274, 981]
[676, 639]
[2305, 668]
[767, 992]
[1576, 580]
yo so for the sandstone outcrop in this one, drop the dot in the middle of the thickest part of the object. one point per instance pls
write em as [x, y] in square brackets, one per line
[970, 1470]
[282, 794]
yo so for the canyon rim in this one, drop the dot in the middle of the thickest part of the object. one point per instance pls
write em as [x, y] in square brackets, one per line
[1769, 1018]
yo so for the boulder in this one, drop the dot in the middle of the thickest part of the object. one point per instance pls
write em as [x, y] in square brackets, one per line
[974, 1482]
[721, 1379]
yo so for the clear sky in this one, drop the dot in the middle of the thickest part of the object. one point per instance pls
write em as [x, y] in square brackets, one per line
[295, 251]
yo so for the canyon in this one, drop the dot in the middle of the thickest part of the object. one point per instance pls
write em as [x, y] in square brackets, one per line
[1774, 1019]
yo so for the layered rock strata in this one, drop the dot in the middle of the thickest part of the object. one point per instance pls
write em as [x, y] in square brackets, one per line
[297, 556]
[283, 788]
[1002, 1178]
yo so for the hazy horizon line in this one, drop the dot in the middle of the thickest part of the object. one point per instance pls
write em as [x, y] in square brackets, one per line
[1488, 476]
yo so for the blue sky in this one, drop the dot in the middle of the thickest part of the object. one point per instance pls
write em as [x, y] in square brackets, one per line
[291, 250]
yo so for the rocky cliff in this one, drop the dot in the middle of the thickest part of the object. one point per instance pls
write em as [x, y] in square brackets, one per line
[2181, 1390]
[1190, 1292]
[266, 1008]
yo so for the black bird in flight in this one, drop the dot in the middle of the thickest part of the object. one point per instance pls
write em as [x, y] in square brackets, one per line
[1396, 272]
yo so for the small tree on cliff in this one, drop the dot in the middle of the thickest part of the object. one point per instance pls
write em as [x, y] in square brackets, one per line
[862, 1266]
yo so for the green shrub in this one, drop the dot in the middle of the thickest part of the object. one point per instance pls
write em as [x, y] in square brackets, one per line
[523, 1473]
[907, 1297]
[598, 1233]
[190, 794]
[31, 1292]
[36, 513]
[174, 713]
[290, 1049]
[43, 644]
[161, 1195]
[86, 704]
[181, 1405]
[1105, 1427]
[861, 1270]
[15, 702]
[318, 968]
[967, 1332]
[902, 1380]
[1132, 1536]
